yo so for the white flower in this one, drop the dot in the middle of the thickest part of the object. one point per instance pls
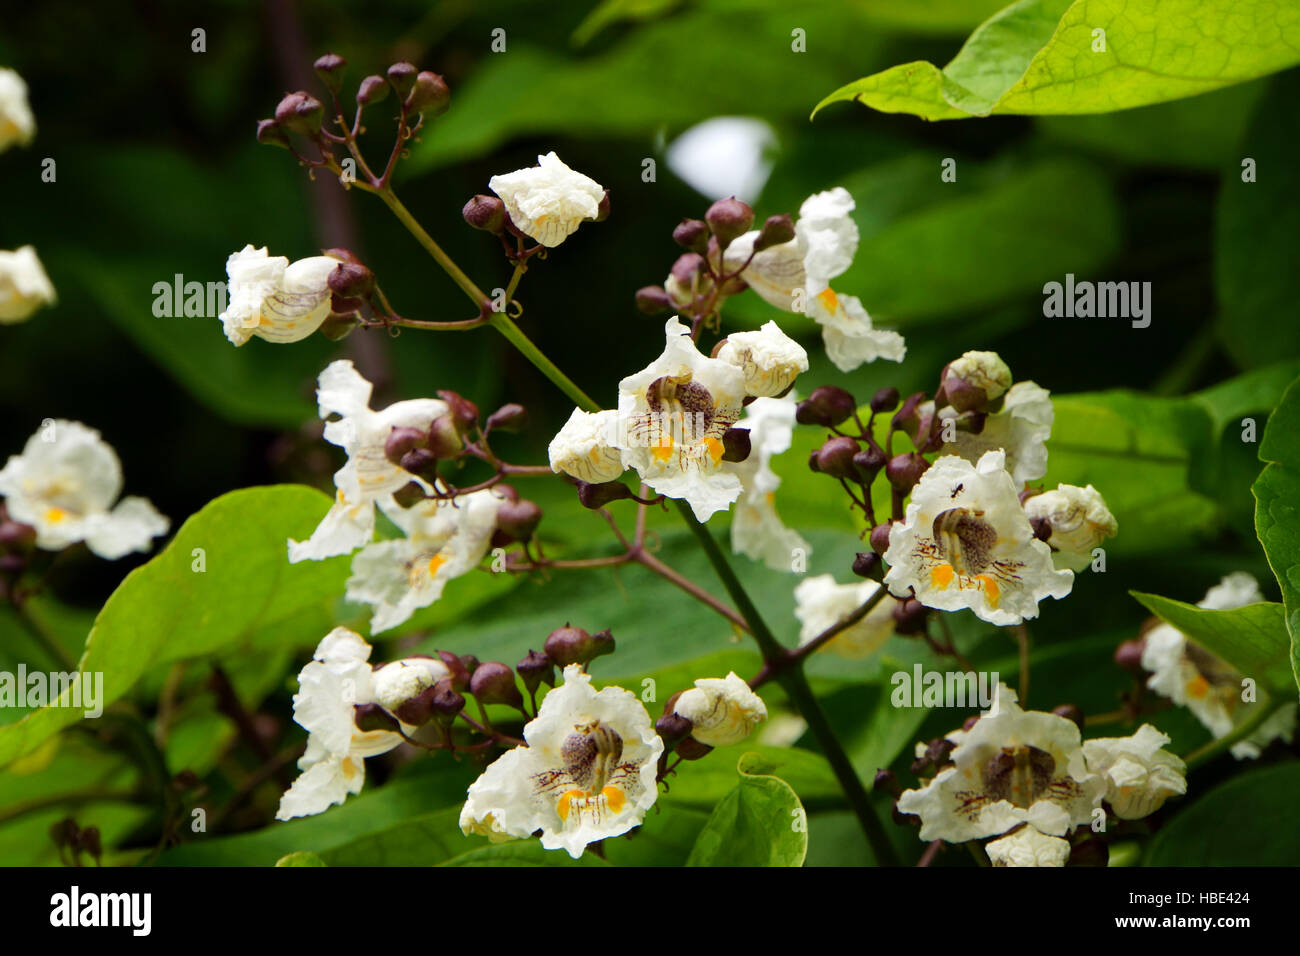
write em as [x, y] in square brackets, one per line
[585, 449]
[331, 686]
[983, 370]
[820, 603]
[64, 485]
[273, 299]
[395, 683]
[756, 529]
[1028, 847]
[769, 358]
[368, 477]
[444, 539]
[1079, 521]
[1204, 683]
[17, 125]
[674, 414]
[795, 276]
[548, 201]
[1140, 774]
[1012, 767]
[1020, 428]
[722, 711]
[24, 286]
[587, 772]
[965, 542]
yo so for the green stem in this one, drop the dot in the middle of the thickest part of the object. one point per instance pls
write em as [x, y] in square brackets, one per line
[1202, 755]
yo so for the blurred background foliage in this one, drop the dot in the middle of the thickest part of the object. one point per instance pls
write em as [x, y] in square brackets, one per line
[158, 174]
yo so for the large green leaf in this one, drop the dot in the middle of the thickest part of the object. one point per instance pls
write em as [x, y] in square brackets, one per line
[1256, 256]
[1253, 639]
[247, 595]
[1277, 510]
[760, 823]
[1251, 820]
[1046, 57]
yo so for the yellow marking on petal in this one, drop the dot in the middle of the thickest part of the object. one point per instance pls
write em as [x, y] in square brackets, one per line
[435, 563]
[829, 299]
[1198, 686]
[55, 515]
[341, 497]
[715, 448]
[615, 797]
[941, 576]
[664, 449]
[991, 589]
[771, 498]
[566, 800]
[350, 768]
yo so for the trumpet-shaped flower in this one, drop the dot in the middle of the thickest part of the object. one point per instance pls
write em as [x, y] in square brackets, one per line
[17, 125]
[965, 542]
[770, 359]
[1079, 521]
[585, 447]
[1207, 685]
[722, 711]
[587, 771]
[820, 604]
[64, 485]
[444, 540]
[756, 529]
[549, 201]
[1013, 766]
[795, 276]
[1020, 429]
[24, 286]
[273, 299]
[1140, 774]
[1028, 846]
[673, 415]
[368, 477]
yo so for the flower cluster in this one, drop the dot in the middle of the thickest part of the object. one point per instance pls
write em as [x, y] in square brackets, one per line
[24, 286]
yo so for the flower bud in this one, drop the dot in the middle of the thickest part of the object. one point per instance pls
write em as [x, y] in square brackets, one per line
[494, 683]
[729, 219]
[572, 645]
[445, 702]
[269, 133]
[692, 749]
[511, 417]
[885, 400]
[906, 418]
[17, 537]
[905, 470]
[835, 458]
[464, 412]
[1042, 528]
[487, 213]
[653, 300]
[420, 462]
[519, 519]
[351, 280]
[688, 266]
[595, 495]
[430, 94]
[402, 440]
[459, 671]
[672, 727]
[402, 76]
[330, 70]
[879, 538]
[812, 461]
[409, 495]
[1071, 713]
[867, 565]
[1129, 655]
[602, 208]
[735, 444]
[373, 89]
[777, 230]
[536, 669]
[935, 756]
[867, 463]
[828, 405]
[909, 617]
[300, 113]
[974, 380]
[443, 438]
[886, 781]
[692, 234]
[373, 717]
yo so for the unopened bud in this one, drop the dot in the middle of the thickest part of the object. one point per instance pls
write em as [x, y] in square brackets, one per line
[692, 749]
[687, 267]
[487, 213]
[430, 94]
[351, 280]
[736, 444]
[373, 717]
[729, 219]
[828, 405]
[420, 462]
[494, 683]
[409, 495]
[519, 519]
[572, 645]
[909, 617]
[885, 400]
[1129, 655]
[835, 458]
[511, 417]
[445, 702]
[602, 208]
[595, 495]
[673, 727]
[905, 470]
[692, 234]
[886, 781]
[653, 300]
[1071, 713]
[269, 133]
[402, 440]
[879, 538]
[301, 113]
[463, 411]
[402, 76]
[777, 230]
[867, 565]
[867, 463]
[330, 70]
[459, 675]
[536, 669]
[373, 89]
[444, 438]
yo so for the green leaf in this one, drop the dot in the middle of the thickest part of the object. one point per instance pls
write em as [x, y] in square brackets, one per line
[760, 823]
[1277, 510]
[1256, 256]
[1250, 820]
[1040, 57]
[1253, 639]
[247, 596]
[521, 853]
[300, 858]
[705, 782]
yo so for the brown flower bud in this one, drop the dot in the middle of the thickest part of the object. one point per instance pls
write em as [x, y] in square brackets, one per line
[835, 458]
[880, 538]
[536, 669]
[828, 405]
[519, 519]
[402, 76]
[905, 470]
[351, 280]
[653, 300]
[867, 565]
[409, 495]
[463, 411]
[511, 417]
[402, 440]
[692, 234]
[729, 219]
[595, 495]
[373, 89]
[269, 133]
[487, 213]
[373, 717]
[777, 230]
[330, 70]
[300, 113]
[494, 683]
[430, 95]
[909, 617]
[885, 400]
[736, 444]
